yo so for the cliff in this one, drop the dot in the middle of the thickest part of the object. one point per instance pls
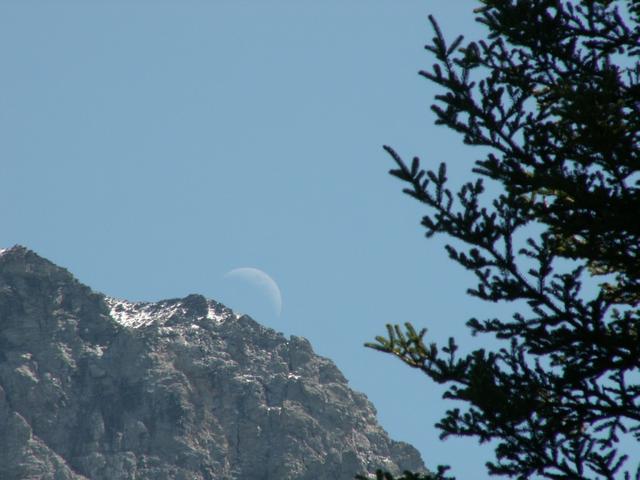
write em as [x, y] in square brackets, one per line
[93, 387]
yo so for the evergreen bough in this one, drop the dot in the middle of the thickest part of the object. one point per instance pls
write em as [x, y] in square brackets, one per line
[553, 94]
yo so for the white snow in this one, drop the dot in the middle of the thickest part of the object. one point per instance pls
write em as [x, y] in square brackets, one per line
[212, 315]
[8, 249]
[142, 314]
[131, 314]
[247, 378]
[97, 350]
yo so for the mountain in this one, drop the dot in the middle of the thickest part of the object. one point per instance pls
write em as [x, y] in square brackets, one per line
[93, 387]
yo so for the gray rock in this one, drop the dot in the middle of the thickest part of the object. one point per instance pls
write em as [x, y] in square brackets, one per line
[93, 387]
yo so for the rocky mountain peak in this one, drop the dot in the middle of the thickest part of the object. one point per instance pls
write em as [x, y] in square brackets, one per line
[93, 387]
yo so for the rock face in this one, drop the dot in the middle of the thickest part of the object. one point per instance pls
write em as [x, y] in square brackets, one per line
[97, 388]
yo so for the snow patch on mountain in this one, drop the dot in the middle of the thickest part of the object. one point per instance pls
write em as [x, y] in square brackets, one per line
[131, 314]
[143, 314]
[213, 313]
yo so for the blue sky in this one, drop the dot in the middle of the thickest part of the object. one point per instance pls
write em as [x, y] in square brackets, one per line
[151, 147]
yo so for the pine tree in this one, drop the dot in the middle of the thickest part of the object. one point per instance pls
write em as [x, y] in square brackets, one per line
[553, 93]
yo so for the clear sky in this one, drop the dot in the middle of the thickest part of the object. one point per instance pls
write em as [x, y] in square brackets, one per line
[152, 147]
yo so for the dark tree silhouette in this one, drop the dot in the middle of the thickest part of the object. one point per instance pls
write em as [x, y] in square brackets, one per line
[553, 93]
[382, 475]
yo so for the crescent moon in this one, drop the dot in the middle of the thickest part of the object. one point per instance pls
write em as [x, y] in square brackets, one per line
[261, 280]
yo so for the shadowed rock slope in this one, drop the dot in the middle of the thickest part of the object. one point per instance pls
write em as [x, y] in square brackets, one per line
[97, 388]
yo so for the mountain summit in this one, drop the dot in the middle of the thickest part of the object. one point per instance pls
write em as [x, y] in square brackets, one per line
[93, 387]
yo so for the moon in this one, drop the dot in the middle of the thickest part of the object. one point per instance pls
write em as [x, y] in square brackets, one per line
[262, 281]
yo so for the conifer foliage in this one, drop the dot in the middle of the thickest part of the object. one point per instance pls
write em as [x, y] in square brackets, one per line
[553, 94]
[382, 475]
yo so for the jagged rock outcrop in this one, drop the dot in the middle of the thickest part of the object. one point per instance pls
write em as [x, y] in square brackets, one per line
[97, 388]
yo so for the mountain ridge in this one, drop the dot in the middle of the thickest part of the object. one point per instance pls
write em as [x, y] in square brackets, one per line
[103, 388]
